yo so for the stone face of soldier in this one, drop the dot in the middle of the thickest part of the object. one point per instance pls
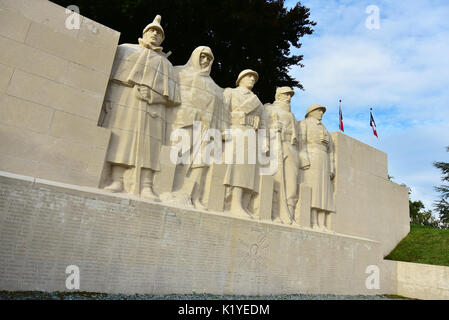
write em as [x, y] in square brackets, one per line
[317, 114]
[248, 81]
[153, 36]
[205, 60]
[285, 97]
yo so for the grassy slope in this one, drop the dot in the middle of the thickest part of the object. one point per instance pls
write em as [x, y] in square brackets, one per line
[423, 245]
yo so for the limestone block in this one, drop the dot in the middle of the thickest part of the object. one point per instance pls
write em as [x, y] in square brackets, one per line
[24, 114]
[265, 197]
[5, 76]
[52, 85]
[19, 143]
[47, 157]
[50, 40]
[367, 203]
[96, 161]
[42, 91]
[66, 174]
[81, 77]
[65, 153]
[423, 281]
[70, 127]
[302, 214]
[43, 12]
[59, 44]
[13, 25]
[99, 59]
[26, 58]
[362, 157]
[97, 35]
[17, 165]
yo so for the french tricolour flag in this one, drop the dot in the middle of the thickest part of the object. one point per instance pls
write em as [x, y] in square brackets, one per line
[340, 125]
[372, 123]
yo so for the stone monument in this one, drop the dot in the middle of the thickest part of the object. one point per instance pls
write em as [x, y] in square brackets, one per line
[104, 165]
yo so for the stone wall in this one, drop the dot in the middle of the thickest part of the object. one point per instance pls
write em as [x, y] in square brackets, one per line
[368, 203]
[124, 244]
[52, 86]
[422, 281]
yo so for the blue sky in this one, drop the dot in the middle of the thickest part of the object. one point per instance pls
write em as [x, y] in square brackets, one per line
[401, 70]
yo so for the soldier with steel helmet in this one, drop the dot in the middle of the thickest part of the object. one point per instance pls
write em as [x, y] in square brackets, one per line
[246, 117]
[281, 120]
[317, 164]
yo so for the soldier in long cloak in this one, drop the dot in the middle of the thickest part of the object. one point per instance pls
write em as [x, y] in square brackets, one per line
[141, 86]
[201, 102]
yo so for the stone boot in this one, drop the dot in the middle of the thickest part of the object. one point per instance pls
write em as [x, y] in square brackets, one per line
[147, 187]
[236, 204]
[117, 180]
[148, 194]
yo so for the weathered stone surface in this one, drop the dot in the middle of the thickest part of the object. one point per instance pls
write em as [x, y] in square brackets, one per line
[368, 204]
[422, 281]
[52, 85]
[124, 244]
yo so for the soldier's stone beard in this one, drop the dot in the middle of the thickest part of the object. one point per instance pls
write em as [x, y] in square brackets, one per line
[206, 147]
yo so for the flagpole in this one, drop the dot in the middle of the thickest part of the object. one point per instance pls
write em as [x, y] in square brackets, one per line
[339, 119]
[370, 129]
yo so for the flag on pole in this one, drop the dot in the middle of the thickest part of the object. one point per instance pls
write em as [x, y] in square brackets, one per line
[372, 123]
[340, 124]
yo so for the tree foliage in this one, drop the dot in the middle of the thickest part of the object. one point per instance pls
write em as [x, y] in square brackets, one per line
[242, 34]
[442, 205]
[420, 216]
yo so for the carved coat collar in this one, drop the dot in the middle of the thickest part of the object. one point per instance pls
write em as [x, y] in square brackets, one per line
[244, 90]
[147, 45]
[314, 121]
[284, 106]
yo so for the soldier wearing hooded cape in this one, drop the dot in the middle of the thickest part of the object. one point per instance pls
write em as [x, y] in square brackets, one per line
[201, 104]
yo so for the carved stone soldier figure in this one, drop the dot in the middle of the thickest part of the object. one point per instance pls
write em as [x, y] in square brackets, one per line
[201, 102]
[318, 169]
[281, 119]
[246, 114]
[142, 85]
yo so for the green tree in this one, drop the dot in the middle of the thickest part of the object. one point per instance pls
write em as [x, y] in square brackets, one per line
[242, 34]
[418, 214]
[442, 205]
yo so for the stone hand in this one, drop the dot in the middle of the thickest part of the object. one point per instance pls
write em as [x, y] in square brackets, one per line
[144, 91]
